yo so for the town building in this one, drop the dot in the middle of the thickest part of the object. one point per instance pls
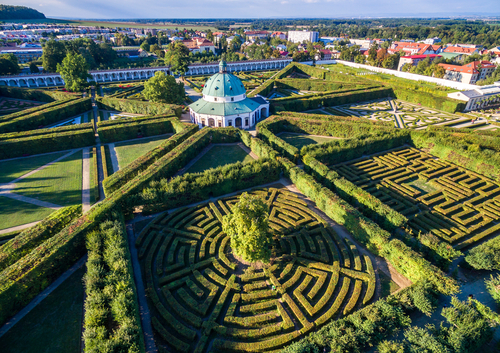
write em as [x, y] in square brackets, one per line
[363, 43]
[470, 73]
[461, 50]
[256, 35]
[411, 48]
[480, 97]
[413, 60]
[23, 55]
[432, 41]
[328, 40]
[199, 45]
[280, 35]
[225, 103]
[301, 36]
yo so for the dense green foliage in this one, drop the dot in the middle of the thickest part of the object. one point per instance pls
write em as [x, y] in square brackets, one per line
[74, 71]
[10, 12]
[248, 227]
[485, 256]
[112, 321]
[467, 329]
[35, 94]
[163, 88]
[493, 287]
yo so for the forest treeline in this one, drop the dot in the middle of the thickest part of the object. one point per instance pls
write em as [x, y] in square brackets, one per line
[9, 12]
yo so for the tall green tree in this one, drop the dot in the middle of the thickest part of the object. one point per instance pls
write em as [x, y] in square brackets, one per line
[53, 53]
[248, 227]
[177, 57]
[164, 89]
[34, 68]
[74, 70]
[12, 67]
[7, 67]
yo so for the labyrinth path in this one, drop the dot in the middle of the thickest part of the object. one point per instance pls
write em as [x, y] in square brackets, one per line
[454, 203]
[203, 299]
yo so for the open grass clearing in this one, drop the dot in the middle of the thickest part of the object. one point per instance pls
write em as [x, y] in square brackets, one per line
[59, 183]
[129, 151]
[218, 156]
[301, 140]
[15, 213]
[54, 325]
[13, 169]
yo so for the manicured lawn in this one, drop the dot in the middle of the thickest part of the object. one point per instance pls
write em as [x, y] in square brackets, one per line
[301, 140]
[60, 183]
[316, 112]
[10, 170]
[130, 151]
[388, 286]
[54, 325]
[218, 156]
[15, 213]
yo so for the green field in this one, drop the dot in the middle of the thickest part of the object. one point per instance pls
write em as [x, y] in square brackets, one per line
[60, 183]
[15, 213]
[301, 140]
[54, 325]
[13, 169]
[129, 151]
[218, 156]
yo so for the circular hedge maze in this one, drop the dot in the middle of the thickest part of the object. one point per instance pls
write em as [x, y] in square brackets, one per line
[203, 299]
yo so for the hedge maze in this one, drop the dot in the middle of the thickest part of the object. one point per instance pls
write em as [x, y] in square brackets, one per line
[203, 299]
[456, 204]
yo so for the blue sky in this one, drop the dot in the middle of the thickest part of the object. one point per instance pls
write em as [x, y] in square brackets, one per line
[108, 9]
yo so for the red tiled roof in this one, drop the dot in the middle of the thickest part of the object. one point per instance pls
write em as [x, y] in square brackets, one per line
[460, 50]
[421, 56]
[471, 68]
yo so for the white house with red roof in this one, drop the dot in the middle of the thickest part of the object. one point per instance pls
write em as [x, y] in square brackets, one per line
[470, 73]
[199, 45]
[411, 48]
[413, 60]
[280, 35]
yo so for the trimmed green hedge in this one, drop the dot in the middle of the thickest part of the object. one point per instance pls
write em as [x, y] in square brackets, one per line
[427, 99]
[479, 153]
[131, 128]
[138, 107]
[111, 307]
[268, 85]
[314, 85]
[371, 206]
[31, 237]
[194, 187]
[29, 111]
[124, 175]
[46, 116]
[36, 94]
[353, 96]
[50, 140]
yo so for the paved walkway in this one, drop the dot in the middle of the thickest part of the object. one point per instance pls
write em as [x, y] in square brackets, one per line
[18, 228]
[114, 157]
[86, 180]
[9, 324]
[141, 294]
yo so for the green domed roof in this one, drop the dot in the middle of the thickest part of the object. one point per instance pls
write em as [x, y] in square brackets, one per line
[224, 85]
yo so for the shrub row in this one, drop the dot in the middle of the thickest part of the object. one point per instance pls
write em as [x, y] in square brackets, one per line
[46, 116]
[427, 99]
[33, 110]
[111, 310]
[47, 140]
[313, 85]
[194, 187]
[32, 133]
[118, 179]
[31, 237]
[268, 85]
[338, 151]
[371, 206]
[131, 128]
[408, 262]
[301, 104]
[478, 153]
[36, 94]
[138, 107]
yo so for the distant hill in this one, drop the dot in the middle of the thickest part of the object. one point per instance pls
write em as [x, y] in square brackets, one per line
[9, 12]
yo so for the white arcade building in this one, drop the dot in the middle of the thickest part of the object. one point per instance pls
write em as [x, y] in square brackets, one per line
[225, 103]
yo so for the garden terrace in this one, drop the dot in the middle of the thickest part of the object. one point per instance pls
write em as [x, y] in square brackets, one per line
[203, 297]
